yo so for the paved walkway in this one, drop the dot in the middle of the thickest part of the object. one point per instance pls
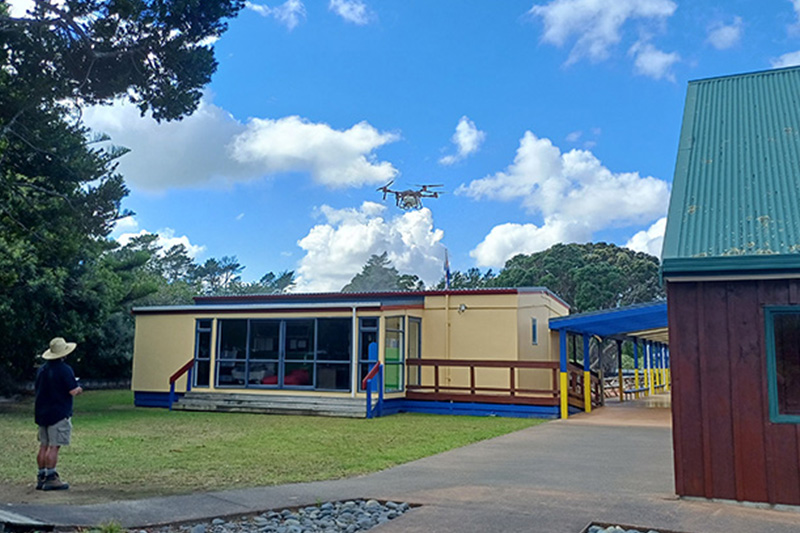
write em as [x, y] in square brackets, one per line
[613, 465]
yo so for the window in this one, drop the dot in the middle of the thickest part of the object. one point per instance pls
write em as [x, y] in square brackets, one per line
[287, 354]
[367, 347]
[534, 332]
[202, 353]
[415, 348]
[394, 352]
[783, 363]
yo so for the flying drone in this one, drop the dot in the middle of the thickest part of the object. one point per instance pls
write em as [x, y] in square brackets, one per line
[410, 198]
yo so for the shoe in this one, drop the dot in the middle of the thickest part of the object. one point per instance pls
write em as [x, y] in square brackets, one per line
[39, 481]
[53, 482]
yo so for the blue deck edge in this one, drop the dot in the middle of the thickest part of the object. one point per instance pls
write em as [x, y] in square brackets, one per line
[400, 405]
[153, 399]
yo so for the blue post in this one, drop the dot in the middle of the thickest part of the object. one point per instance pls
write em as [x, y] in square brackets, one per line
[171, 395]
[636, 367]
[562, 337]
[189, 379]
[369, 398]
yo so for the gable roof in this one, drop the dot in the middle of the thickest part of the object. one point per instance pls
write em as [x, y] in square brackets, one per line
[735, 205]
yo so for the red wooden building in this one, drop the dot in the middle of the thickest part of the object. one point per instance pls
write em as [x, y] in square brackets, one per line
[731, 264]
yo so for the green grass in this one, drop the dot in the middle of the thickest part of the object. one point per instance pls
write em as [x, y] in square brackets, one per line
[154, 451]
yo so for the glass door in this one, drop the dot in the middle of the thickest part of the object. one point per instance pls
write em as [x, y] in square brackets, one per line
[298, 353]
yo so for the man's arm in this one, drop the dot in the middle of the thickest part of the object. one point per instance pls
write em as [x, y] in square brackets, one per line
[77, 390]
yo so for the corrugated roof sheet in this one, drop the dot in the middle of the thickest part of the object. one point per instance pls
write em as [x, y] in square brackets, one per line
[736, 193]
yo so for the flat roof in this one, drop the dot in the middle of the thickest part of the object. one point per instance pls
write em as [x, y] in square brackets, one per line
[644, 321]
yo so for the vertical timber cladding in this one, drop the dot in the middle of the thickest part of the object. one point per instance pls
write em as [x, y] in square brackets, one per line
[725, 445]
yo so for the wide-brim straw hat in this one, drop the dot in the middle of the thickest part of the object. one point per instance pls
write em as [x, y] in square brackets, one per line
[59, 348]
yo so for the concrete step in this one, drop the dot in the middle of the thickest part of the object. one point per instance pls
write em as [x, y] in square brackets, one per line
[264, 404]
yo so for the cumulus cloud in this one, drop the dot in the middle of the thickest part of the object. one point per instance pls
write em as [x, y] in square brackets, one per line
[651, 240]
[128, 228]
[507, 240]
[467, 138]
[334, 158]
[651, 62]
[354, 11]
[573, 192]
[595, 25]
[338, 248]
[211, 146]
[723, 36]
[290, 13]
[790, 59]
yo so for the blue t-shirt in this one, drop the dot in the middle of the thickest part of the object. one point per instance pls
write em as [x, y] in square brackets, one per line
[54, 380]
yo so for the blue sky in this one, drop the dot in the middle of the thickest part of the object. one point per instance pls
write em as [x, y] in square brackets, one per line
[548, 121]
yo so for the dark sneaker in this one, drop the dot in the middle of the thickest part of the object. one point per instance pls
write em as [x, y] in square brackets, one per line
[39, 481]
[53, 482]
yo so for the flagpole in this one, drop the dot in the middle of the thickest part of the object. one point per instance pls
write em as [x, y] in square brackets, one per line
[446, 305]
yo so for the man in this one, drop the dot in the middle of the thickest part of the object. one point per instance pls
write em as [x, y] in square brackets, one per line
[56, 386]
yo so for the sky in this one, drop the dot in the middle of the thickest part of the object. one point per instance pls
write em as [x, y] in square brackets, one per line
[545, 122]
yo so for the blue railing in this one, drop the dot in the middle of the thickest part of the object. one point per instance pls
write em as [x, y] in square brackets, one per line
[185, 369]
[372, 381]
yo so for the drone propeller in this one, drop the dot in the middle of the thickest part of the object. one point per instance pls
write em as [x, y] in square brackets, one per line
[385, 186]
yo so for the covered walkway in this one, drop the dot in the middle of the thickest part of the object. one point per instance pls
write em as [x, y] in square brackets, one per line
[643, 326]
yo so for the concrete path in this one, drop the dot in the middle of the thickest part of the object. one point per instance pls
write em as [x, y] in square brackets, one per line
[613, 465]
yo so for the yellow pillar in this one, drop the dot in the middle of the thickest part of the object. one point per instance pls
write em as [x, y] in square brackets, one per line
[587, 391]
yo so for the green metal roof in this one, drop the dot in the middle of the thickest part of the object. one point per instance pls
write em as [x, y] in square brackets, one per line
[735, 203]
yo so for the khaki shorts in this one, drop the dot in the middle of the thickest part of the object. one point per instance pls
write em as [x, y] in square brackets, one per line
[56, 435]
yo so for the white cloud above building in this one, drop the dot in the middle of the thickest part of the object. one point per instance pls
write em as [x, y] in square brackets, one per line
[336, 249]
[353, 11]
[574, 194]
[211, 147]
[723, 36]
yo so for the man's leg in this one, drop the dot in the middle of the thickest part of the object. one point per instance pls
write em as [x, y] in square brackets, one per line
[58, 435]
[41, 457]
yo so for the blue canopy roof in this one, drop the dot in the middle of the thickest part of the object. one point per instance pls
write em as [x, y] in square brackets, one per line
[644, 321]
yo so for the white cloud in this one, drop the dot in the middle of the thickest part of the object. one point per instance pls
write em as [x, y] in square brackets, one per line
[574, 136]
[467, 138]
[334, 158]
[337, 249]
[651, 240]
[723, 36]
[573, 192]
[354, 11]
[166, 239]
[20, 8]
[290, 13]
[790, 59]
[211, 146]
[651, 62]
[596, 25]
[507, 240]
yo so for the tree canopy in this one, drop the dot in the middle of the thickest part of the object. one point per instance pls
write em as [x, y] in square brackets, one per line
[588, 276]
[378, 274]
[59, 193]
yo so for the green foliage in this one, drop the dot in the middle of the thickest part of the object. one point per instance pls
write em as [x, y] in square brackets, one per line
[59, 195]
[471, 279]
[588, 276]
[379, 275]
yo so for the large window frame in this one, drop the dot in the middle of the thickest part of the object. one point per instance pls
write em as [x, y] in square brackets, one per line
[394, 367]
[288, 358]
[201, 377]
[368, 333]
[773, 315]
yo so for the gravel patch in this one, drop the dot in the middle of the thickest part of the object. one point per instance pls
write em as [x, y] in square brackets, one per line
[330, 517]
[619, 529]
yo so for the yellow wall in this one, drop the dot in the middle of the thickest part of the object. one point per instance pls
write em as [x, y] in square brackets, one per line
[490, 326]
[161, 345]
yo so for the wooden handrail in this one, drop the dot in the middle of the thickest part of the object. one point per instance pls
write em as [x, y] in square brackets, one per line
[181, 371]
[486, 363]
[471, 391]
[371, 374]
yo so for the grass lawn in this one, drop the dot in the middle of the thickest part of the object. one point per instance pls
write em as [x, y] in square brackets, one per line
[124, 450]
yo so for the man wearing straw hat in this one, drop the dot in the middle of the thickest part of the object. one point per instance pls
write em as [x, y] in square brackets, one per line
[56, 385]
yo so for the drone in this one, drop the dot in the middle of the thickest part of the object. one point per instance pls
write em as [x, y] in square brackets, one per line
[410, 198]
